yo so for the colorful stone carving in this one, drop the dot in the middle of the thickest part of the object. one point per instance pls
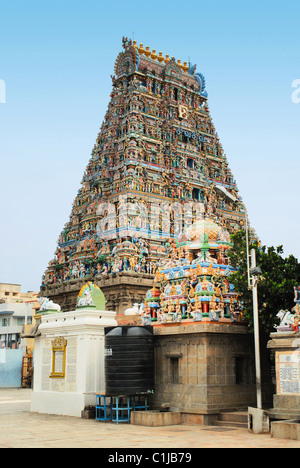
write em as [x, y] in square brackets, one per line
[290, 320]
[192, 283]
[47, 305]
[91, 296]
[156, 165]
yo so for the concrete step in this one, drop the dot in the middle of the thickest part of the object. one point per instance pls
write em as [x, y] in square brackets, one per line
[238, 419]
[231, 424]
[238, 416]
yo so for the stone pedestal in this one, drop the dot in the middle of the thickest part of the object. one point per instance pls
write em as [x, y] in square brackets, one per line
[155, 418]
[203, 368]
[69, 361]
[286, 402]
[258, 421]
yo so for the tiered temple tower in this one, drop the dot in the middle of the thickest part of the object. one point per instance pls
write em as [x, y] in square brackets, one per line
[157, 166]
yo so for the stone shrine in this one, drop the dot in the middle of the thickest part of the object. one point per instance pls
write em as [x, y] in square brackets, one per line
[204, 355]
[285, 343]
[69, 356]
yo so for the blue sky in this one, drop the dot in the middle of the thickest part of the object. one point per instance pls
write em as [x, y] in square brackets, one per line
[56, 59]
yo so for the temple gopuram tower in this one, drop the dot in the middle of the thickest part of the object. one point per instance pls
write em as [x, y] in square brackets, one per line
[156, 167]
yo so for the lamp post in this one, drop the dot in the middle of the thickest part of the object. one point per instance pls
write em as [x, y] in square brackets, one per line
[255, 271]
[252, 284]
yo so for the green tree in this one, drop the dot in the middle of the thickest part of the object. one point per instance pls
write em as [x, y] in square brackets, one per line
[276, 284]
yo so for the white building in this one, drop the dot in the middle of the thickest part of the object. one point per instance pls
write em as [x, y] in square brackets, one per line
[13, 317]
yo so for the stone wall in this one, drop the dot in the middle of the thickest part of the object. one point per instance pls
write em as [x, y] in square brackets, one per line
[204, 368]
[121, 290]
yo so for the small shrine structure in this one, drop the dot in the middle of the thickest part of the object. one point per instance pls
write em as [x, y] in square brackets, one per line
[204, 353]
[69, 355]
[285, 343]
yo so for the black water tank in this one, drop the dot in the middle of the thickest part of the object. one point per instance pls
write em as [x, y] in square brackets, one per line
[129, 360]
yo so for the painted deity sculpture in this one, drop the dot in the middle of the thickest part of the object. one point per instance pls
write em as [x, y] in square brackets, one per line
[290, 320]
[48, 305]
[297, 294]
[196, 290]
[91, 296]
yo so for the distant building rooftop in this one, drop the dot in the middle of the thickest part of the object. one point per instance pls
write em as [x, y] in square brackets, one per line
[11, 293]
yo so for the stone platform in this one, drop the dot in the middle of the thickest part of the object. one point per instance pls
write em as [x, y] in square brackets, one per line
[155, 418]
[203, 368]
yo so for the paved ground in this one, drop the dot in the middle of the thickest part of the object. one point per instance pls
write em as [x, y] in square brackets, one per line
[19, 428]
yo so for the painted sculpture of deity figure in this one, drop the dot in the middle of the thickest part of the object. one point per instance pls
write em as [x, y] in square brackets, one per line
[184, 287]
[199, 258]
[221, 307]
[47, 304]
[224, 235]
[206, 285]
[86, 300]
[289, 320]
[178, 316]
[75, 271]
[297, 294]
[213, 312]
[145, 314]
[82, 270]
[197, 310]
[210, 259]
